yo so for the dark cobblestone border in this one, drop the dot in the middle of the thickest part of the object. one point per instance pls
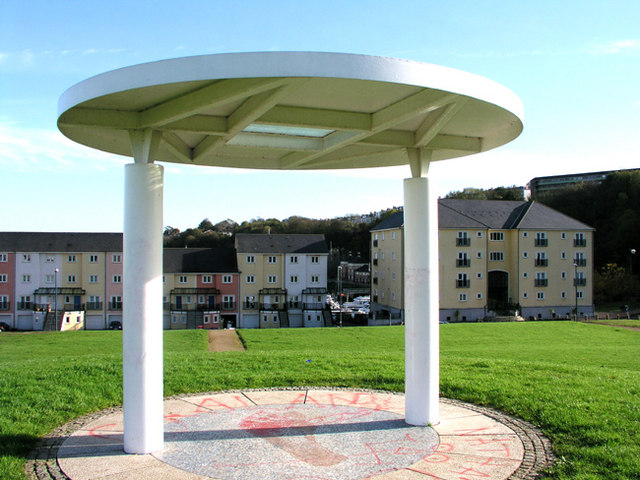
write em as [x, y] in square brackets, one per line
[42, 463]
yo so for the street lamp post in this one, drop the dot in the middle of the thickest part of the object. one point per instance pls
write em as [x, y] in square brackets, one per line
[55, 299]
[340, 292]
[632, 252]
[575, 282]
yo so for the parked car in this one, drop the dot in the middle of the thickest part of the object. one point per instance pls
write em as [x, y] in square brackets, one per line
[115, 325]
[4, 327]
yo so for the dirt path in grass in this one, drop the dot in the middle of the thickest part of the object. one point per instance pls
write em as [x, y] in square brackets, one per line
[224, 341]
[637, 329]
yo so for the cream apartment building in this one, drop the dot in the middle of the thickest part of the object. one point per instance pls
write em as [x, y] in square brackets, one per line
[283, 280]
[493, 256]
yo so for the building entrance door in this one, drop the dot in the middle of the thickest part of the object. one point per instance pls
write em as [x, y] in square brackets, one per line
[498, 295]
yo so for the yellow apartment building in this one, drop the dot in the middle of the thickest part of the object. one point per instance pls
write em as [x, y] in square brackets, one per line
[494, 257]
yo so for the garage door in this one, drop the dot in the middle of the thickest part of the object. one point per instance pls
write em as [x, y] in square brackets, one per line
[94, 322]
[25, 322]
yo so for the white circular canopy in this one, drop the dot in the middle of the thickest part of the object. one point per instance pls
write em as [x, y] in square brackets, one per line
[291, 110]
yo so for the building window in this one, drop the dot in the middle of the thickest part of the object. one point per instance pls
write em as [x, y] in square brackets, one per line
[250, 301]
[117, 279]
[93, 258]
[250, 279]
[26, 278]
[479, 296]
[50, 260]
[316, 259]
[93, 278]
[207, 279]
[251, 259]
[463, 260]
[228, 302]
[116, 258]
[541, 239]
[541, 259]
[540, 295]
[525, 254]
[293, 259]
[49, 278]
[393, 296]
[3, 278]
[71, 259]
[462, 281]
[272, 279]
[227, 279]
[580, 240]
[71, 279]
[525, 234]
[383, 236]
[315, 279]
[580, 260]
[200, 299]
[563, 275]
[563, 236]
[479, 275]
[3, 258]
[462, 239]
[393, 235]
[293, 279]
[496, 236]
[272, 259]
[462, 297]
[26, 257]
[479, 255]
[525, 295]
[541, 279]
[393, 275]
[525, 275]
[563, 255]
[182, 279]
[393, 255]
[164, 279]
[496, 256]
[479, 234]
[564, 295]
[580, 294]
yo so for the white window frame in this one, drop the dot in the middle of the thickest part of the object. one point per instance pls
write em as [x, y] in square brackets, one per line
[26, 258]
[116, 258]
[293, 259]
[250, 279]
[496, 237]
[116, 279]
[462, 297]
[496, 256]
[3, 278]
[272, 279]
[182, 279]
[316, 259]
[71, 278]
[539, 295]
[207, 278]
[93, 258]
[4, 258]
[26, 278]
[227, 279]
[93, 279]
[72, 258]
[315, 279]
[293, 279]
[251, 259]
[272, 259]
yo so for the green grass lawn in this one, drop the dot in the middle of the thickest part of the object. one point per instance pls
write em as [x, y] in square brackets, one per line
[579, 383]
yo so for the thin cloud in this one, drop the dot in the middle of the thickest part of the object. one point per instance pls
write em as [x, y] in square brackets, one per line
[617, 46]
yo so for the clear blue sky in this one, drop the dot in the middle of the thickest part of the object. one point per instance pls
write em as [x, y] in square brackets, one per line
[575, 65]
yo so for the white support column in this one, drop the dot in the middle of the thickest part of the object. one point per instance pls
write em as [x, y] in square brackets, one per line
[421, 294]
[142, 302]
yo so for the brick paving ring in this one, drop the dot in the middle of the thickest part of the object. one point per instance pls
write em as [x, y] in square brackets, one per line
[316, 433]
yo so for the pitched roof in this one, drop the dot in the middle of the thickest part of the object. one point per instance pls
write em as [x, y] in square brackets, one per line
[295, 243]
[60, 242]
[493, 214]
[199, 260]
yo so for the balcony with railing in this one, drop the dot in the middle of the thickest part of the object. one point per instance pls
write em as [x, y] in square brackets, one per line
[542, 282]
[94, 305]
[273, 307]
[375, 243]
[463, 241]
[463, 283]
[375, 280]
[580, 282]
[542, 242]
[463, 262]
[115, 305]
[5, 305]
[25, 305]
[226, 306]
[579, 242]
[580, 262]
[315, 306]
[542, 262]
[375, 261]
